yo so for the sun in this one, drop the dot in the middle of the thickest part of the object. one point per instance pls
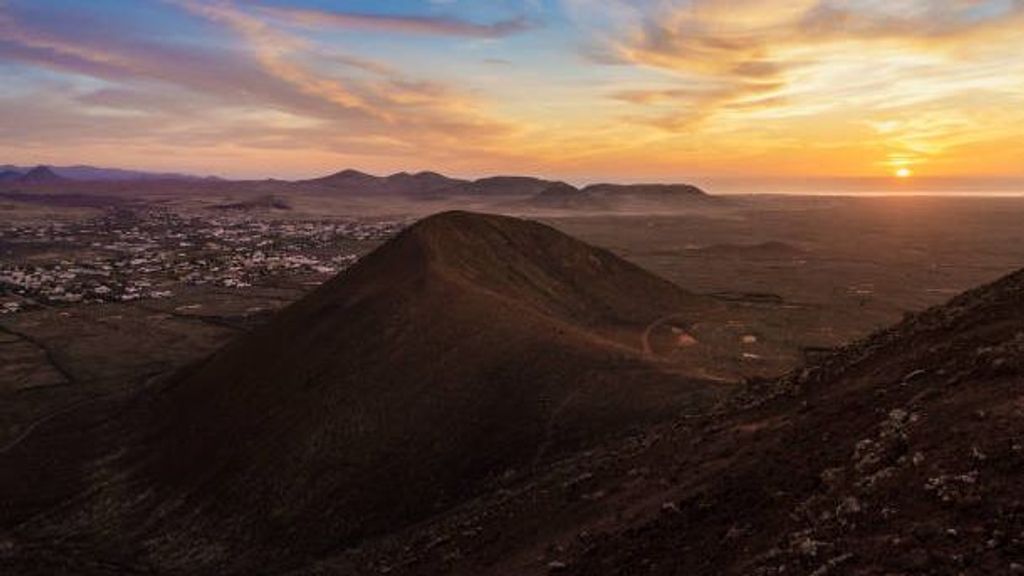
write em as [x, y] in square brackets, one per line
[904, 173]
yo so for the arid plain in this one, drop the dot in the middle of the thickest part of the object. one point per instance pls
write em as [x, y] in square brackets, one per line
[792, 276]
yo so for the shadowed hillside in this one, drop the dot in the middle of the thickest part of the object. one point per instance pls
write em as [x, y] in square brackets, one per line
[900, 454]
[470, 399]
[468, 348]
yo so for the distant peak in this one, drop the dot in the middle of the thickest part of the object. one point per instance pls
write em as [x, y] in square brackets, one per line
[348, 173]
[40, 174]
[424, 175]
[454, 228]
[429, 174]
[559, 188]
[459, 218]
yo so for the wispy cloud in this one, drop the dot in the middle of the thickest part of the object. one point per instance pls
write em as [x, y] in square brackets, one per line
[266, 87]
[390, 99]
[272, 50]
[432, 25]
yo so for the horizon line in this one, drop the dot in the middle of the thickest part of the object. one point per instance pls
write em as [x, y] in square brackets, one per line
[911, 185]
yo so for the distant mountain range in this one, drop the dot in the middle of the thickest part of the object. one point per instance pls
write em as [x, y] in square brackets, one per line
[539, 193]
[422, 183]
[9, 173]
[512, 192]
[353, 182]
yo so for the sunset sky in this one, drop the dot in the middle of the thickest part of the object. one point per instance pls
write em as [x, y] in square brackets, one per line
[575, 89]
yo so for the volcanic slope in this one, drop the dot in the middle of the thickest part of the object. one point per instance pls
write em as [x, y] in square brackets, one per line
[468, 348]
[899, 454]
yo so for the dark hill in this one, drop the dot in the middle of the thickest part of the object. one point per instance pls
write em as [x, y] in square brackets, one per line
[9, 176]
[467, 349]
[900, 454]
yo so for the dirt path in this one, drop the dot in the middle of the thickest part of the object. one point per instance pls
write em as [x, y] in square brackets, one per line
[645, 337]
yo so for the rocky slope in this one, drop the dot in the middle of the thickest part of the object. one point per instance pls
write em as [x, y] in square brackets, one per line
[900, 454]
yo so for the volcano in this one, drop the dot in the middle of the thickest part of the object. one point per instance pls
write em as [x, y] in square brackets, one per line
[467, 349]
[470, 399]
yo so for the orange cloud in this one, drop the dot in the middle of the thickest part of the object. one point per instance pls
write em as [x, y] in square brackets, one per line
[729, 68]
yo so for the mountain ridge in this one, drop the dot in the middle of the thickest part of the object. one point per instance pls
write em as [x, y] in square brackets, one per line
[83, 172]
[512, 192]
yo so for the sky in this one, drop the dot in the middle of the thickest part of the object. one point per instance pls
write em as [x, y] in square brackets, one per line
[583, 90]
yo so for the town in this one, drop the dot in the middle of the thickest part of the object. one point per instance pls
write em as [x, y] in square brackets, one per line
[134, 254]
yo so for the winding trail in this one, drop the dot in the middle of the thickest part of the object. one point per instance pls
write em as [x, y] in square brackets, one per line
[645, 337]
[698, 372]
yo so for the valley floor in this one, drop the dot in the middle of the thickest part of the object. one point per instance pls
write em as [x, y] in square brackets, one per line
[798, 275]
